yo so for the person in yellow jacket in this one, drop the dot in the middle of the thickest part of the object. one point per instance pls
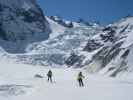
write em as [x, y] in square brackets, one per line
[80, 79]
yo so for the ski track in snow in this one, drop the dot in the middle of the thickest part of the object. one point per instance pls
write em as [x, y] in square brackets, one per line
[17, 82]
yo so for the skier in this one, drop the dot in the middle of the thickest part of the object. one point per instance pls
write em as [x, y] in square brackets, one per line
[80, 79]
[49, 75]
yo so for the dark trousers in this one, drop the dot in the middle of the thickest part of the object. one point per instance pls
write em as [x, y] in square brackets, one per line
[50, 79]
[81, 84]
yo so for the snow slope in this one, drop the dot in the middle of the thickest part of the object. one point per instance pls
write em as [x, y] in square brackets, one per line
[56, 28]
[17, 82]
[109, 51]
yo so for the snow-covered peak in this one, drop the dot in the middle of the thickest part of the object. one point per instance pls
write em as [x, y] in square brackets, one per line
[62, 22]
[114, 56]
[124, 21]
[55, 18]
[57, 29]
[125, 30]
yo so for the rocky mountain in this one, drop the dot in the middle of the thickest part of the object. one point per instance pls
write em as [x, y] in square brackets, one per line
[21, 22]
[109, 52]
[27, 36]
[55, 50]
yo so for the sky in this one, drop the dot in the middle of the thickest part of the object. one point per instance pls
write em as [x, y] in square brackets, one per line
[104, 11]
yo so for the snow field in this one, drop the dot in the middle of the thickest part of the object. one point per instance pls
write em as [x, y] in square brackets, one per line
[20, 78]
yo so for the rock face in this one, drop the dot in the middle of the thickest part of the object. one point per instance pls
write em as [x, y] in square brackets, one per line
[55, 51]
[21, 22]
[110, 52]
[115, 56]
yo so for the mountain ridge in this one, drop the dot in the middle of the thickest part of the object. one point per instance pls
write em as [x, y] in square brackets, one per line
[61, 43]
